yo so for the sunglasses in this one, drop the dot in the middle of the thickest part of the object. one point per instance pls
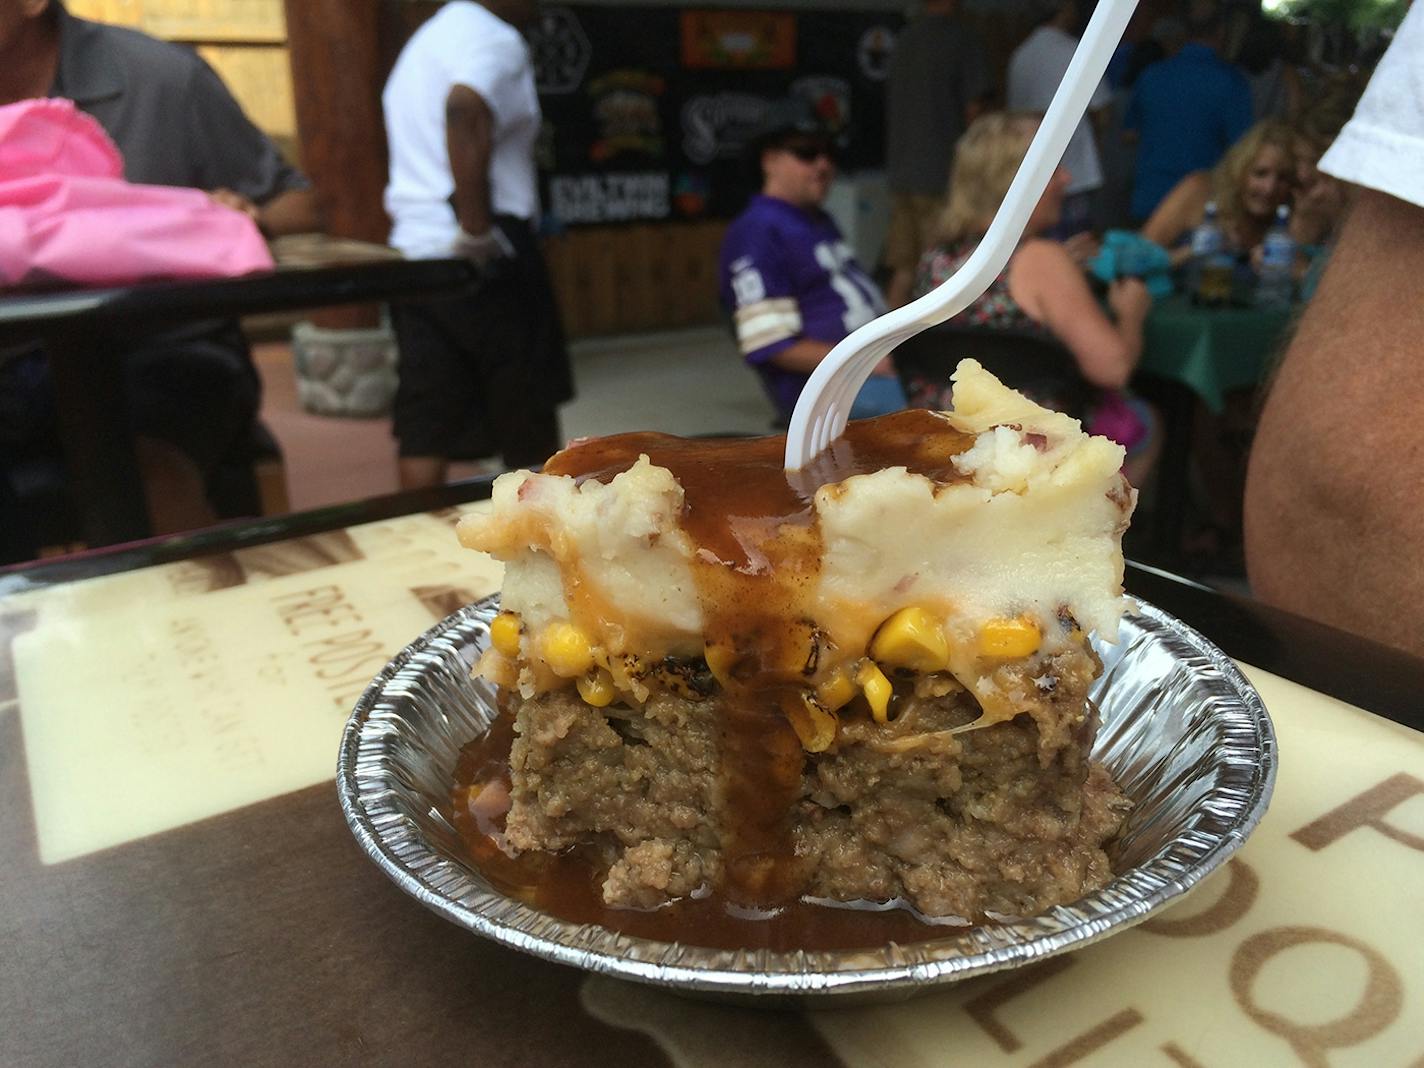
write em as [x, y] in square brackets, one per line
[809, 152]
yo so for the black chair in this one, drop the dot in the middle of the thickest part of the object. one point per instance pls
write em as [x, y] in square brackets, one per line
[1025, 360]
[46, 516]
[17, 541]
[249, 482]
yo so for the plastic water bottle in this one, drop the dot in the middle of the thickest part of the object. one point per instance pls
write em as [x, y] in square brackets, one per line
[1276, 286]
[1210, 271]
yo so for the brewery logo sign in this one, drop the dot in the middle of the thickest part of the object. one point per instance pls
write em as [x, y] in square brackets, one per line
[560, 51]
[625, 112]
[873, 52]
[719, 125]
[829, 98]
[738, 40]
[611, 197]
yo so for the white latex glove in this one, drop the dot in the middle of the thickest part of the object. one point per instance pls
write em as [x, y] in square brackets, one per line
[482, 249]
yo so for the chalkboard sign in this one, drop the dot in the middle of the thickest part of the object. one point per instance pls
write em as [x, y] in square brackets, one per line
[647, 110]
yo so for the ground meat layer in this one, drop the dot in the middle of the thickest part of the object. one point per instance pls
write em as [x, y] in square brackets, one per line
[638, 786]
[957, 825]
[1006, 819]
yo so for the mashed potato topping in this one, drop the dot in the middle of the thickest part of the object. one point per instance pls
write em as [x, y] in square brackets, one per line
[999, 523]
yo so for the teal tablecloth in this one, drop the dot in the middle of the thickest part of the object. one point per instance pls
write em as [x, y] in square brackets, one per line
[1212, 350]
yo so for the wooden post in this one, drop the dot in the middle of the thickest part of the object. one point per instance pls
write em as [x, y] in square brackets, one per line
[337, 74]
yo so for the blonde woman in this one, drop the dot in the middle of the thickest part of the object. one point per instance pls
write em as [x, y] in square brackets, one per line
[1043, 288]
[1256, 176]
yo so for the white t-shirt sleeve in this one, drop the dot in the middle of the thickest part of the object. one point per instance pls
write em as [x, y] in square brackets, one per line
[1382, 146]
[493, 65]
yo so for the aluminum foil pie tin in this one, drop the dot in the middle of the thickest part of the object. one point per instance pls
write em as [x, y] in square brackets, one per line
[1183, 733]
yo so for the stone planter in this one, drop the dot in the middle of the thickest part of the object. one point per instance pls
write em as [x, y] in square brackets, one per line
[345, 372]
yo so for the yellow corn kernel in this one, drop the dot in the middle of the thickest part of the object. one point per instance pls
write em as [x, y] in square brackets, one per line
[837, 691]
[911, 638]
[1009, 638]
[596, 688]
[505, 629]
[814, 726]
[877, 690]
[566, 650]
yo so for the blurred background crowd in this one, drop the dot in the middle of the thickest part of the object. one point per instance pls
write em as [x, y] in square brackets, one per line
[653, 195]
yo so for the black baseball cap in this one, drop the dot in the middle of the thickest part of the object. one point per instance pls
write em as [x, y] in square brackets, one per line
[786, 120]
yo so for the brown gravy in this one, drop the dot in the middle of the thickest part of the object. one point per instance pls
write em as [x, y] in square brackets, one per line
[759, 552]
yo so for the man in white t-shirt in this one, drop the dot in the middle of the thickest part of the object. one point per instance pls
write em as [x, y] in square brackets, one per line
[484, 374]
[1035, 69]
[1335, 491]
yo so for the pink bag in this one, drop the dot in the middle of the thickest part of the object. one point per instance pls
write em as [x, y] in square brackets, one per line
[67, 215]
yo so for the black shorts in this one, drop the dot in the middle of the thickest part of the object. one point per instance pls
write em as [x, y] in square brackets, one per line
[484, 374]
[195, 388]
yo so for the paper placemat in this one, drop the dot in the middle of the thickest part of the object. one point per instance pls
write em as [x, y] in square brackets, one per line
[158, 697]
[162, 696]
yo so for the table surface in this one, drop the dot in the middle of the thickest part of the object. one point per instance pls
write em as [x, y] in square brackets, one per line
[303, 281]
[1212, 350]
[181, 884]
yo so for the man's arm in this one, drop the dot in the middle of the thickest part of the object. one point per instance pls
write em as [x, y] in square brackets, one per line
[292, 211]
[469, 139]
[1335, 492]
[1178, 214]
[801, 355]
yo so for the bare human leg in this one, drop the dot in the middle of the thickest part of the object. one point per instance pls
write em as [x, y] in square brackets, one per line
[173, 485]
[421, 472]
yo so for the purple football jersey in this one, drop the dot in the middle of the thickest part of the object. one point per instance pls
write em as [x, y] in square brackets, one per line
[788, 274]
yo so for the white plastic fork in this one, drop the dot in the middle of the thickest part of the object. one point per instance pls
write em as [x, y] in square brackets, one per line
[825, 402]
